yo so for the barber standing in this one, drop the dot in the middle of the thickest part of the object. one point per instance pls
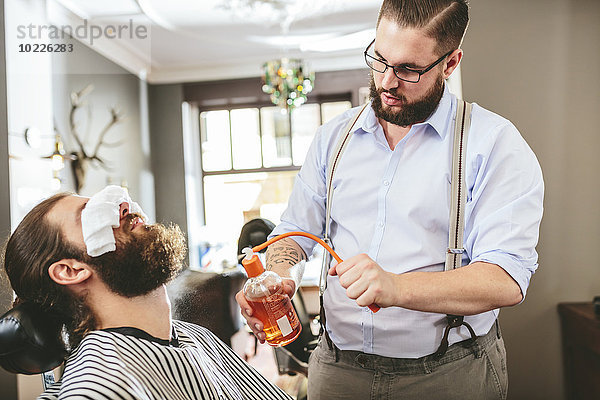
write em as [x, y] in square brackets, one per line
[389, 222]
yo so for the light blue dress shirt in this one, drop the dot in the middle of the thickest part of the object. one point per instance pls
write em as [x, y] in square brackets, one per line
[394, 205]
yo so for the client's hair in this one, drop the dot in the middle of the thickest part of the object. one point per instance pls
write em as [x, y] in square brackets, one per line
[31, 249]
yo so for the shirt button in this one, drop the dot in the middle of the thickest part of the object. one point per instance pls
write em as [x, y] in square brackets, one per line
[381, 224]
[386, 183]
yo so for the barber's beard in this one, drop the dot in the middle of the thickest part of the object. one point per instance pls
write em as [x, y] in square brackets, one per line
[144, 259]
[408, 113]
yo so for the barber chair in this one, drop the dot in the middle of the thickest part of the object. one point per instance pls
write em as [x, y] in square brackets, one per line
[208, 299]
[291, 358]
[31, 342]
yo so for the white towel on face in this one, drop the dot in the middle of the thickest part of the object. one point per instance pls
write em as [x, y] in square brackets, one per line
[101, 215]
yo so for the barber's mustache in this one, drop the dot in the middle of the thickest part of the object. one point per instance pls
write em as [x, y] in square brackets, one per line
[393, 92]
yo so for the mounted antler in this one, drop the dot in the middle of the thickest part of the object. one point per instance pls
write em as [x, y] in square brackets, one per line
[80, 157]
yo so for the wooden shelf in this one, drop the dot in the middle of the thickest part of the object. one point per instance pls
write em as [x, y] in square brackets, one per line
[581, 350]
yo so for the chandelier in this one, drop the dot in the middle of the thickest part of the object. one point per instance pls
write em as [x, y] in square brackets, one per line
[277, 12]
[287, 81]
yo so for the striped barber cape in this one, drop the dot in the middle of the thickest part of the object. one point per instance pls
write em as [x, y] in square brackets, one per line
[127, 363]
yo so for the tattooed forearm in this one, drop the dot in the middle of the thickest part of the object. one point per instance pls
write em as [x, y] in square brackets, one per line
[284, 254]
[285, 257]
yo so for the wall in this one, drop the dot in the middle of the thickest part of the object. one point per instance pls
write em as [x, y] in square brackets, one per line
[127, 163]
[29, 96]
[249, 90]
[8, 381]
[536, 63]
[166, 139]
[39, 90]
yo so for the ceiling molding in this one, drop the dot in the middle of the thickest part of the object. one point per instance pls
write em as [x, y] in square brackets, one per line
[117, 51]
[347, 61]
[141, 63]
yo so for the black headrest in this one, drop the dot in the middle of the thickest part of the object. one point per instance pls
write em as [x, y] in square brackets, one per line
[254, 232]
[31, 340]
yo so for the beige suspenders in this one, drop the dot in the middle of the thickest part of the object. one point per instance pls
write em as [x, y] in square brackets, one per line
[457, 212]
[457, 209]
[459, 186]
[333, 162]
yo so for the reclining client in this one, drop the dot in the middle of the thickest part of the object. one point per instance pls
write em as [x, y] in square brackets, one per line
[97, 264]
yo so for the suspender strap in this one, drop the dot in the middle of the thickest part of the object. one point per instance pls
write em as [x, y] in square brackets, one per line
[341, 145]
[457, 212]
[459, 186]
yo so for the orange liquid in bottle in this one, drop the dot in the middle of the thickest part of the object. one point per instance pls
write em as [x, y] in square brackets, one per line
[279, 318]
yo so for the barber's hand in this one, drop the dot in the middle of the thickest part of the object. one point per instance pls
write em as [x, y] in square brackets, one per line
[256, 325]
[366, 282]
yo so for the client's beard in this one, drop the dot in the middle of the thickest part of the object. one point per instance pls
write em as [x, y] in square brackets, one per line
[408, 113]
[144, 259]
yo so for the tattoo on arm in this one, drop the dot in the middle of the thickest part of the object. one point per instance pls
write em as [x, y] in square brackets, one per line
[285, 253]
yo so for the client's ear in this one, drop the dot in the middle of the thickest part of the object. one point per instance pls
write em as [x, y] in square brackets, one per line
[69, 272]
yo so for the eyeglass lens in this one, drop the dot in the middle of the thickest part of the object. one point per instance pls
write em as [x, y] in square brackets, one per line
[377, 65]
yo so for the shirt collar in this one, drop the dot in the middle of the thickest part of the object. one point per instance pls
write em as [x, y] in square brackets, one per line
[439, 120]
[140, 334]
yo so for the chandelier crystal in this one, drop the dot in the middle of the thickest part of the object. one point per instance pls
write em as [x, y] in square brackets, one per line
[288, 82]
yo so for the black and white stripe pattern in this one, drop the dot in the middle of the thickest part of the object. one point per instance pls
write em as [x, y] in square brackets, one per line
[113, 365]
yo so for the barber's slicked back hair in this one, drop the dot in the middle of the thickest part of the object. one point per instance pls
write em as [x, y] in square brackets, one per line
[29, 252]
[443, 20]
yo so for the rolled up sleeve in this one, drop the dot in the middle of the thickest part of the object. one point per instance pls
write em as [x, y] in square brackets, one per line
[505, 203]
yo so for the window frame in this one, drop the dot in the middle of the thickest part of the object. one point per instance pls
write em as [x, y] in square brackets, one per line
[318, 99]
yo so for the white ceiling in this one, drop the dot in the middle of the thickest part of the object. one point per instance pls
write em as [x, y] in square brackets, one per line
[193, 40]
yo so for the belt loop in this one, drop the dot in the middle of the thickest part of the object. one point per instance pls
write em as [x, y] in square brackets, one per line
[428, 366]
[332, 347]
[498, 334]
[336, 350]
[477, 349]
[322, 329]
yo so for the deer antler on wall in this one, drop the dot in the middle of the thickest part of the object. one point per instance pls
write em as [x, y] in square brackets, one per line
[80, 158]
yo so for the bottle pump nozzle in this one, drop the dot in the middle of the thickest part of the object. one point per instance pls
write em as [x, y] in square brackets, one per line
[251, 263]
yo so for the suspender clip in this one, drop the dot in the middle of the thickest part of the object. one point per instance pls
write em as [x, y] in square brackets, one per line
[455, 251]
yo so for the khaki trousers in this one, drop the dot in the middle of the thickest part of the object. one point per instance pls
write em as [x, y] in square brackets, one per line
[468, 370]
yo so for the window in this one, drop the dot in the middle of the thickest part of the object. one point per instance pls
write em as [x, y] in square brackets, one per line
[249, 159]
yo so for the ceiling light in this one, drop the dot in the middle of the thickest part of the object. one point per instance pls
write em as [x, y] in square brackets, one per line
[356, 40]
[288, 81]
[277, 12]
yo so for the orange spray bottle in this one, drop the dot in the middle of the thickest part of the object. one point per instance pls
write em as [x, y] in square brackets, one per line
[264, 292]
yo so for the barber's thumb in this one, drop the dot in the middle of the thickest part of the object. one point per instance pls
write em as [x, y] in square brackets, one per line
[289, 287]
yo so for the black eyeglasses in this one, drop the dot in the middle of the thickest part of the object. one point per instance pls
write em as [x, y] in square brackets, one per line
[403, 73]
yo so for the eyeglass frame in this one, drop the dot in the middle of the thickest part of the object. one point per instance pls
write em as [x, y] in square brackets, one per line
[393, 67]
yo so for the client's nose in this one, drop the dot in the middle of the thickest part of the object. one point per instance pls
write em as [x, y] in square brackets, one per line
[123, 210]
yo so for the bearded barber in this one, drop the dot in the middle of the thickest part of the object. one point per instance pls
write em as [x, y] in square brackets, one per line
[390, 224]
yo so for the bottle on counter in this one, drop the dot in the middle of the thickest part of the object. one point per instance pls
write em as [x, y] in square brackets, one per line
[270, 304]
